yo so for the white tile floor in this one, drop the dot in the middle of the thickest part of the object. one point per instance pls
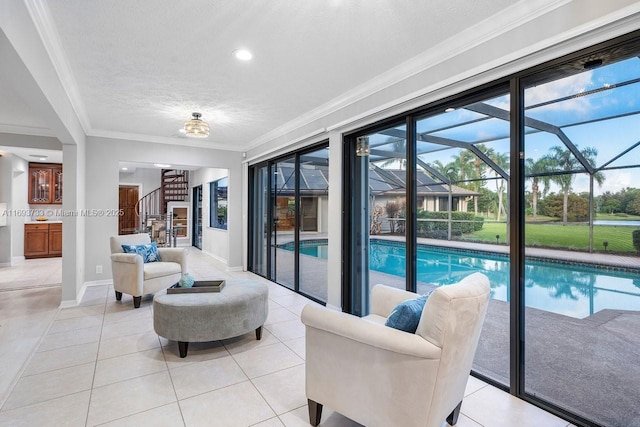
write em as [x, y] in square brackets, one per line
[101, 363]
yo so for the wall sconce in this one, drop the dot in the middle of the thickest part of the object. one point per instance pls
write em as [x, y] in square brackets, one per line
[362, 146]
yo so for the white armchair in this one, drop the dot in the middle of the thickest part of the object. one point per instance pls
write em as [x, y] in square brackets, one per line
[134, 277]
[380, 376]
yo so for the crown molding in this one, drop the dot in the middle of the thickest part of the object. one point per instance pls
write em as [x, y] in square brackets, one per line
[26, 130]
[179, 141]
[43, 21]
[508, 19]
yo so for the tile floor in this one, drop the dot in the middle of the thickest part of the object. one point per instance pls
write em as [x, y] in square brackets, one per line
[101, 363]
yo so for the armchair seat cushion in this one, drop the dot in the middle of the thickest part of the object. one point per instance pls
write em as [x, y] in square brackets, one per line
[160, 269]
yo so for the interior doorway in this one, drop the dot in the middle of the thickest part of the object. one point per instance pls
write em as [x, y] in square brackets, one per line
[128, 196]
[197, 216]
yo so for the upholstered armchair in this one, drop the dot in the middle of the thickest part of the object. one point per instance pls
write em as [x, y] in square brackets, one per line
[381, 376]
[134, 277]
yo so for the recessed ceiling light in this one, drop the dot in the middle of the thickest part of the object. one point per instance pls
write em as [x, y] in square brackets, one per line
[161, 165]
[38, 156]
[125, 169]
[450, 109]
[243, 54]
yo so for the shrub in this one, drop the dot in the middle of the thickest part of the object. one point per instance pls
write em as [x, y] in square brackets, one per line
[462, 222]
[577, 207]
[636, 239]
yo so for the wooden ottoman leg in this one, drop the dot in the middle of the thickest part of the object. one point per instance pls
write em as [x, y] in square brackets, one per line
[315, 412]
[118, 296]
[183, 347]
[136, 301]
[259, 333]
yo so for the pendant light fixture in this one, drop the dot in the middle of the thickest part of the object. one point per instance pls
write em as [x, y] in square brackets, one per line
[196, 127]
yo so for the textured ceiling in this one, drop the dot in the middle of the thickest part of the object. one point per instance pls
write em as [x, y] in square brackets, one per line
[142, 66]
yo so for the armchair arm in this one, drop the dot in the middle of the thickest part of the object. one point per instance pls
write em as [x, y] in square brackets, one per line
[126, 258]
[128, 273]
[368, 333]
[178, 255]
[385, 298]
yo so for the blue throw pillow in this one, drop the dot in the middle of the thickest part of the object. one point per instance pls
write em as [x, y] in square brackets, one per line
[406, 315]
[148, 252]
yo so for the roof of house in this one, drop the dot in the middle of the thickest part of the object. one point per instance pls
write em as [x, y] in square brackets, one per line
[315, 180]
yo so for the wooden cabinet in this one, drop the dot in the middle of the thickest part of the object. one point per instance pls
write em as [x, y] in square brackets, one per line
[42, 240]
[45, 183]
[55, 239]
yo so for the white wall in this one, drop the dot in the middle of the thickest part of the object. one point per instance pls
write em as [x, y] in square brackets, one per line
[19, 200]
[215, 242]
[102, 180]
[5, 197]
[148, 178]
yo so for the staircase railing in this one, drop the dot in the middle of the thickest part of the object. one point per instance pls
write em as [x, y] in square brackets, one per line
[149, 207]
[175, 187]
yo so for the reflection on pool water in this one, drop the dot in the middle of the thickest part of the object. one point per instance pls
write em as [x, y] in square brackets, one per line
[569, 289]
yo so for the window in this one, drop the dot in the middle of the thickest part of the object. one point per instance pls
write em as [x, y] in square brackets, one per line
[218, 194]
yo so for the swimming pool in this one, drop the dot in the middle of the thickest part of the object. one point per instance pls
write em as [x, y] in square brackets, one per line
[568, 289]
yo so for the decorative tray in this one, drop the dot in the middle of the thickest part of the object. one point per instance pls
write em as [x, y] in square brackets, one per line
[199, 286]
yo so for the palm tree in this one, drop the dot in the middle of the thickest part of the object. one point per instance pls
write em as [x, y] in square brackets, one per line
[536, 168]
[502, 161]
[399, 147]
[560, 158]
[447, 170]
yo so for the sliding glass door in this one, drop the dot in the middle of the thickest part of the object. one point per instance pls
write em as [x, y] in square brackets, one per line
[284, 207]
[582, 276]
[260, 224]
[289, 221]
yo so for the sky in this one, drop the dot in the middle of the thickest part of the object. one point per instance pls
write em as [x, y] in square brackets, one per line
[562, 103]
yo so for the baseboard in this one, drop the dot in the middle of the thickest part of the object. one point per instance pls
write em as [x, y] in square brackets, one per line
[216, 257]
[18, 258]
[238, 268]
[98, 282]
[83, 289]
[69, 303]
[5, 264]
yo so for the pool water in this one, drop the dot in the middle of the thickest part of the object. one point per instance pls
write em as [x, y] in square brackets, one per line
[568, 289]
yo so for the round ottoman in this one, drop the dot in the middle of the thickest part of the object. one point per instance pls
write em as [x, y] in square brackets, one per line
[240, 307]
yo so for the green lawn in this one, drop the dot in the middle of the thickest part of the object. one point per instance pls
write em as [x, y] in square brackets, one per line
[556, 235]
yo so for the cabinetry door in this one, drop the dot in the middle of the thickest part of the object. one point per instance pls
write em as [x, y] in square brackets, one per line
[45, 183]
[39, 184]
[56, 196]
[55, 239]
[36, 240]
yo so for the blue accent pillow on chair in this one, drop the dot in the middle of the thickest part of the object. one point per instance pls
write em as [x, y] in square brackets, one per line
[148, 252]
[406, 315]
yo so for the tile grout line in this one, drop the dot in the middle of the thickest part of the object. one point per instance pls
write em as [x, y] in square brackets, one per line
[26, 363]
[95, 366]
[173, 386]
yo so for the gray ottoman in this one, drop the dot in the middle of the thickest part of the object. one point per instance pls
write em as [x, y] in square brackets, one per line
[240, 307]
